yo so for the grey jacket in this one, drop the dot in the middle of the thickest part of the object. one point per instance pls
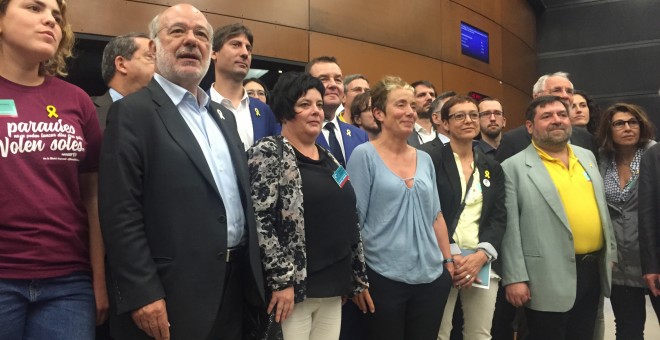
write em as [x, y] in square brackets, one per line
[627, 271]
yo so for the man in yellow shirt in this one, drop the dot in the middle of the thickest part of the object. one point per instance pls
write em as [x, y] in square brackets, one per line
[559, 244]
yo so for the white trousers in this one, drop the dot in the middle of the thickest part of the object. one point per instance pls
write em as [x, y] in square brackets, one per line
[478, 309]
[314, 319]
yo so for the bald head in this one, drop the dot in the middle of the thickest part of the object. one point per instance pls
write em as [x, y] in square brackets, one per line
[182, 42]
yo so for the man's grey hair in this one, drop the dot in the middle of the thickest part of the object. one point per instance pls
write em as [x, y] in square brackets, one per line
[351, 77]
[120, 46]
[539, 87]
[153, 27]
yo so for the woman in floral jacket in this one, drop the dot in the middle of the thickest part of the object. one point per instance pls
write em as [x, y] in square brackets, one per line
[306, 217]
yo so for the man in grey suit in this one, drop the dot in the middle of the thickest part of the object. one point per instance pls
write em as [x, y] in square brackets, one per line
[127, 66]
[559, 245]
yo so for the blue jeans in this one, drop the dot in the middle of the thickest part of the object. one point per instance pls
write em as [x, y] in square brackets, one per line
[55, 308]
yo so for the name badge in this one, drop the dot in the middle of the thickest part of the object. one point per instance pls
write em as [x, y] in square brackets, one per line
[340, 176]
[8, 108]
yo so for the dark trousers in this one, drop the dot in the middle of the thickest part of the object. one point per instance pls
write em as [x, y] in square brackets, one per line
[508, 321]
[579, 322]
[629, 307]
[457, 321]
[353, 323]
[655, 302]
[229, 322]
[406, 311]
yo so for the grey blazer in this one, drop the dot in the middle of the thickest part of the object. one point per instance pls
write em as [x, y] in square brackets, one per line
[538, 244]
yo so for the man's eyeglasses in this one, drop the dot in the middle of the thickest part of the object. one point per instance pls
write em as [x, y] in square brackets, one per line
[487, 114]
[460, 116]
[620, 124]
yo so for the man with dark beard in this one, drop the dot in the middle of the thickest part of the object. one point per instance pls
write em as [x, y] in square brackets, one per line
[491, 123]
[559, 245]
[424, 96]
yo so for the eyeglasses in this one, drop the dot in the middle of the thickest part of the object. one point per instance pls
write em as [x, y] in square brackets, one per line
[487, 114]
[460, 116]
[620, 124]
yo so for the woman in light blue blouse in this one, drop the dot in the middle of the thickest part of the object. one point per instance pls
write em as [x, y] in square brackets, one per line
[404, 233]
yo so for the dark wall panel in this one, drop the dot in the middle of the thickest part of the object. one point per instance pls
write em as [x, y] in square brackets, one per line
[598, 23]
[611, 73]
[610, 48]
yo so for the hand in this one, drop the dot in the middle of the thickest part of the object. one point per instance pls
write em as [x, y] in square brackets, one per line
[653, 282]
[364, 302]
[517, 293]
[102, 304]
[467, 269]
[282, 301]
[152, 319]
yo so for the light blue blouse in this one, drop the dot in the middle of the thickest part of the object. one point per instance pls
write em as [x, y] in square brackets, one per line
[397, 221]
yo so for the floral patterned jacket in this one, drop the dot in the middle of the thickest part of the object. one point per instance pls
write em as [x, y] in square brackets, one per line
[278, 204]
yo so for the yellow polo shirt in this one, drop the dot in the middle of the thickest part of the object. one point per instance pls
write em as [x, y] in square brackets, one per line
[577, 195]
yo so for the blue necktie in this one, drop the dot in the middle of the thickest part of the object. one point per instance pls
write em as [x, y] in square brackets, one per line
[335, 148]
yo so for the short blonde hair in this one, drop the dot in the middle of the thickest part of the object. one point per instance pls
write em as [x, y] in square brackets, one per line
[56, 65]
[383, 88]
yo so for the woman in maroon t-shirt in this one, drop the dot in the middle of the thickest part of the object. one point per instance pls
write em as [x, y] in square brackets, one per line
[52, 283]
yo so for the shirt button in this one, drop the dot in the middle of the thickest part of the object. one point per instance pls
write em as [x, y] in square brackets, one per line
[222, 219]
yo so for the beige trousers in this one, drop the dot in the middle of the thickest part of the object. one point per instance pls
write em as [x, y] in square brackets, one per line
[314, 319]
[478, 308]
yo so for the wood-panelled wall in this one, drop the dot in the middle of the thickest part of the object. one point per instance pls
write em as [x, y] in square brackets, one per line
[413, 39]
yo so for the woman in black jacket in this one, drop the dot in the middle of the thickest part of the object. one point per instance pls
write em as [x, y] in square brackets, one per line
[471, 189]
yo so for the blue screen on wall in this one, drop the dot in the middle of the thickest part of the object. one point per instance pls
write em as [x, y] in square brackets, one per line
[474, 43]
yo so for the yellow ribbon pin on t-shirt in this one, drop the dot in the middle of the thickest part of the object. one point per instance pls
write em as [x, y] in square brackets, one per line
[52, 112]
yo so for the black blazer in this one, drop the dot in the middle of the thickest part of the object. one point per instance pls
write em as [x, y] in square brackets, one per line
[649, 210]
[518, 139]
[163, 219]
[102, 104]
[493, 214]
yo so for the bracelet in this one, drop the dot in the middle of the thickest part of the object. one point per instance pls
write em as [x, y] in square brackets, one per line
[449, 260]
